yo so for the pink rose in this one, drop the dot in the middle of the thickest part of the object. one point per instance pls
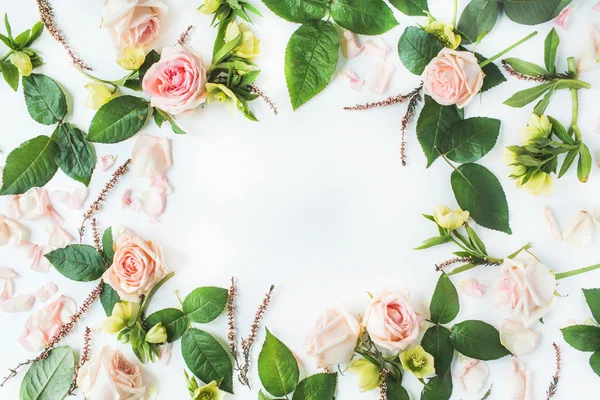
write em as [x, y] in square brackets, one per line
[526, 289]
[333, 337]
[134, 23]
[453, 77]
[177, 82]
[109, 375]
[42, 325]
[151, 155]
[11, 232]
[391, 321]
[137, 266]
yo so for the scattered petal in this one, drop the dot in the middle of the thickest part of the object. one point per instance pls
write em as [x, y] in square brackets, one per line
[597, 125]
[151, 155]
[553, 224]
[519, 381]
[590, 54]
[165, 353]
[153, 204]
[18, 303]
[471, 374]
[350, 46]
[39, 263]
[380, 76]
[107, 161]
[596, 215]
[580, 231]
[74, 200]
[355, 82]
[596, 7]
[8, 289]
[7, 273]
[59, 238]
[471, 287]
[11, 232]
[59, 196]
[563, 18]
[376, 48]
[518, 339]
[43, 324]
[161, 183]
[33, 204]
[46, 291]
[126, 198]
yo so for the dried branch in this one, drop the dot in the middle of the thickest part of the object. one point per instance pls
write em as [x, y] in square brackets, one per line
[540, 78]
[415, 98]
[488, 393]
[552, 389]
[85, 357]
[439, 267]
[266, 99]
[96, 235]
[184, 36]
[383, 384]
[390, 101]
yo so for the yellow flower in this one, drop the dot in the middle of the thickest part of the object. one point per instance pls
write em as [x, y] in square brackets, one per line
[417, 361]
[444, 33]
[515, 169]
[123, 315]
[22, 62]
[220, 93]
[210, 6]
[208, 392]
[368, 374]
[98, 95]
[249, 48]
[537, 128]
[450, 219]
[540, 183]
[157, 334]
[132, 58]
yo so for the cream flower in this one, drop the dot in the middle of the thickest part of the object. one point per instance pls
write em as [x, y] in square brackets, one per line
[248, 49]
[450, 219]
[537, 128]
[539, 184]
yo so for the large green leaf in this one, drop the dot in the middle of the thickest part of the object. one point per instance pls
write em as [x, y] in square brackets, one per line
[207, 359]
[367, 17]
[299, 11]
[49, 379]
[310, 60]
[444, 306]
[108, 245]
[582, 337]
[436, 342]
[317, 387]
[470, 139]
[78, 262]
[10, 74]
[533, 12]
[417, 48]
[411, 7]
[108, 298]
[118, 120]
[277, 367]
[395, 390]
[76, 156]
[205, 304]
[439, 387]
[592, 297]
[477, 19]
[595, 362]
[45, 100]
[432, 125]
[477, 339]
[32, 164]
[524, 97]
[550, 49]
[175, 322]
[478, 191]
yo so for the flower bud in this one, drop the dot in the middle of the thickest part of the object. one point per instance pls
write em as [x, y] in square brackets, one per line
[113, 325]
[22, 62]
[220, 93]
[417, 361]
[540, 183]
[124, 314]
[249, 48]
[208, 392]
[210, 6]
[132, 58]
[450, 219]
[537, 128]
[98, 95]
[368, 374]
[443, 32]
[157, 334]
[515, 169]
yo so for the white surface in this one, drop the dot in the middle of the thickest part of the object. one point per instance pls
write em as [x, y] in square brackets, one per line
[315, 201]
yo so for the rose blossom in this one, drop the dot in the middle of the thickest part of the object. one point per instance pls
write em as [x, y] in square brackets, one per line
[151, 155]
[526, 289]
[453, 77]
[42, 325]
[109, 375]
[333, 337]
[391, 321]
[134, 23]
[138, 265]
[177, 82]
[11, 232]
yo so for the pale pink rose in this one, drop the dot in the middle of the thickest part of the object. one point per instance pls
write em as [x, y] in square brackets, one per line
[519, 381]
[590, 54]
[35, 203]
[563, 18]
[453, 78]
[471, 374]
[44, 292]
[471, 287]
[391, 322]
[42, 325]
[518, 339]
[109, 375]
[177, 82]
[333, 337]
[526, 289]
[18, 303]
[151, 155]
[11, 232]
[137, 266]
[133, 23]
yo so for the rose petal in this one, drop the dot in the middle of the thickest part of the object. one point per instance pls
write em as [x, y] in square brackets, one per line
[471, 287]
[59, 196]
[519, 381]
[355, 82]
[596, 7]
[590, 54]
[471, 374]
[376, 48]
[39, 263]
[597, 125]
[553, 224]
[165, 353]
[126, 198]
[160, 182]
[8, 289]
[153, 204]
[580, 231]
[563, 18]
[19, 303]
[107, 161]
[44, 292]
[59, 238]
[518, 339]
[151, 155]
[380, 76]
[350, 46]
[77, 198]
[7, 273]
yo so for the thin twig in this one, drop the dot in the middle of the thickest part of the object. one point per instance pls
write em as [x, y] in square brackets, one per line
[383, 384]
[85, 357]
[552, 389]
[439, 267]
[540, 78]
[415, 98]
[488, 393]
[390, 101]
[231, 331]
[266, 99]
[96, 235]
[184, 36]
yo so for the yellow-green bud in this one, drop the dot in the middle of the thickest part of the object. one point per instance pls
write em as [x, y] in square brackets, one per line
[515, 169]
[249, 48]
[220, 93]
[23, 63]
[539, 184]
[210, 6]
[157, 334]
[537, 128]
[132, 58]
[368, 374]
[450, 219]
[417, 361]
[208, 392]
[444, 32]
[98, 95]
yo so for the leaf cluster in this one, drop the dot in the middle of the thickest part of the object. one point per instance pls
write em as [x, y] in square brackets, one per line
[233, 8]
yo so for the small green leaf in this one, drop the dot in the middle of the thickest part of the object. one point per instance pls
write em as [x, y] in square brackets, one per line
[592, 297]
[436, 342]
[32, 164]
[10, 74]
[542, 105]
[317, 387]
[205, 304]
[568, 162]
[36, 32]
[478, 191]
[478, 340]
[584, 165]
[476, 241]
[524, 97]
[175, 322]
[550, 49]
[439, 387]
[559, 130]
[533, 12]
[595, 362]
[118, 120]
[108, 245]
[417, 48]
[46, 102]
[76, 156]
[78, 262]
[109, 297]
[51, 378]
[277, 367]
[492, 75]
[395, 390]
[299, 11]
[478, 17]
[151, 58]
[414, 8]
[366, 17]
[582, 337]
[526, 68]
[444, 305]
[433, 241]
[310, 60]
[470, 139]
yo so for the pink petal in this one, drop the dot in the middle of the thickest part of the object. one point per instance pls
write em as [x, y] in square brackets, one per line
[59, 196]
[46, 291]
[597, 126]
[7, 273]
[59, 238]
[7, 290]
[39, 263]
[380, 77]
[77, 198]
[153, 204]
[107, 161]
[19, 303]
[350, 46]
[563, 18]
[596, 7]
[126, 198]
[160, 182]
[471, 287]
[165, 353]
[151, 155]
[355, 82]
[376, 48]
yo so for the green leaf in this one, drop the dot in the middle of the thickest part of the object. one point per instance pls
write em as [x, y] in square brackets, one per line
[542, 105]
[476, 241]
[227, 49]
[532, 12]
[10, 74]
[478, 191]
[444, 305]
[568, 162]
[493, 76]
[76, 156]
[78, 262]
[299, 11]
[478, 17]
[550, 49]
[109, 297]
[151, 58]
[46, 102]
[118, 120]
[582, 337]
[439, 387]
[417, 48]
[526, 68]
[524, 97]
[432, 125]
[207, 359]
[22, 38]
[310, 60]
[49, 379]
[161, 116]
[175, 322]
[205, 304]
[395, 390]
[32, 164]
[36, 32]
[592, 297]
[584, 165]
[278, 368]
[317, 387]
[477, 339]
[433, 241]
[366, 17]
[436, 342]
[470, 139]
[415, 8]
[107, 245]
[595, 362]
[7, 26]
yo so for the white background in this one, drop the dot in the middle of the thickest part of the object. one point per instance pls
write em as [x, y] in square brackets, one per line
[315, 201]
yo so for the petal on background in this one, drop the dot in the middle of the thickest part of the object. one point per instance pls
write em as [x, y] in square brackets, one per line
[18, 303]
[44, 292]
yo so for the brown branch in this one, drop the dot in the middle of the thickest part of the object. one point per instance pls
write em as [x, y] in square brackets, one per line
[85, 357]
[390, 101]
[439, 267]
[488, 393]
[96, 235]
[553, 387]
[184, 36]
[231, 331]
[383, 384]
[539, 78]
[266, 99]
[415, 98]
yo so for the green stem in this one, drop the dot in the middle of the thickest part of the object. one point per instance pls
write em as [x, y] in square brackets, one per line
[455, 13]
[579, 271]
[114, 87]
[4, 57]
[460, 245]
[575, 99]
[503, 52]
[153, 290]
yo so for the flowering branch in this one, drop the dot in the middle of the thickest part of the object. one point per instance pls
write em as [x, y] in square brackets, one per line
[488, 393]
[415, 98]
[184, 36]
[96, 235]
[552, 389]
[85, 357]
[254, 89]
[383, 384]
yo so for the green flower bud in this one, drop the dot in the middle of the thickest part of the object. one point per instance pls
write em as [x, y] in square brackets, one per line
[515, 169]
[368, 374]
[22, 62]
[417, 361]
[210, 6]
[537, 128]
[124, 314]
[208, 392]
[450, 219]
[157, 334]
[444, 32]
[540, 183]
[98, 95]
